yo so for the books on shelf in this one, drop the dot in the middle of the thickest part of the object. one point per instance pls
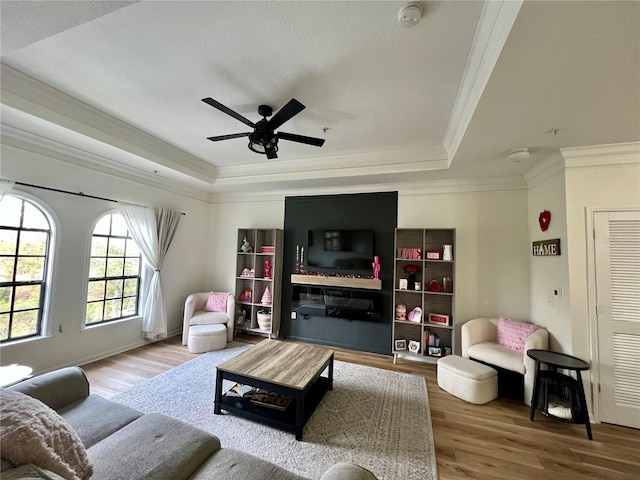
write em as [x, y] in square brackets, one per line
[239, 390]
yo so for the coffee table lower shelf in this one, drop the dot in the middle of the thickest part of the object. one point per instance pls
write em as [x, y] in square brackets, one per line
[284, 420]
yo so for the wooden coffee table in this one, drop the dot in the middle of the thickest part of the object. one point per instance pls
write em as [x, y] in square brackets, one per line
[286, 368]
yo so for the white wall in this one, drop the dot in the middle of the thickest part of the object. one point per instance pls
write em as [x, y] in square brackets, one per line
[549, 273]
[491, 254]
[226, 217]
[184, 269]
[595, 177]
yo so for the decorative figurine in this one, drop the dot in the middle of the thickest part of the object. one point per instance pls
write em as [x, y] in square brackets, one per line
[401, 311]
[267, 268]
[246, 246]
[376, 268]
[266, 297]
[247, 272]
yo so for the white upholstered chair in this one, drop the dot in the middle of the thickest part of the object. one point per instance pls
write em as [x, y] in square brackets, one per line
[478, 338]
[194, 314]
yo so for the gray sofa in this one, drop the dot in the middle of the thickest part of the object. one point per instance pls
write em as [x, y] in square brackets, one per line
[123, 443]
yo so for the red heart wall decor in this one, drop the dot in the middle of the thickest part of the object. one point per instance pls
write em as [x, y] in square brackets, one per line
[544, 219]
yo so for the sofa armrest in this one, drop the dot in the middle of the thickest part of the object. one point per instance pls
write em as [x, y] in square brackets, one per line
[194, 303]
[56, 389]
[538, 340]
[475, 331]
[347, 471]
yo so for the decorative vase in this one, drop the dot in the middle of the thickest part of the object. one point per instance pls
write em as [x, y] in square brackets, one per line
[447, 252]
[264, 319]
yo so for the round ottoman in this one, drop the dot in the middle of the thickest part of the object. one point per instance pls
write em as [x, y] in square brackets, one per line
[470, 381]
[206, 338]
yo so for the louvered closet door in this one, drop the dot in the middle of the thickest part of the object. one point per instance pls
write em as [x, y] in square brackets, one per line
[617, 262]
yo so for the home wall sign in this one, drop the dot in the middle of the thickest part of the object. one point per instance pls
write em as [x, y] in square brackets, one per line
[546, 248]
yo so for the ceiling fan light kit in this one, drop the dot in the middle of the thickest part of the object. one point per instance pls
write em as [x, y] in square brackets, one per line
[264, 139]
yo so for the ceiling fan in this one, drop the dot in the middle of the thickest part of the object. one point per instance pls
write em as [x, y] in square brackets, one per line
[264, 139]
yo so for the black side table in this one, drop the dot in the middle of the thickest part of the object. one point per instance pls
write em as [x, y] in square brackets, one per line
[551, 381]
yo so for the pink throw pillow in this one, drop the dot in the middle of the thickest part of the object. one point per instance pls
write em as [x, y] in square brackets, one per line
[217, 302]
[512, 334]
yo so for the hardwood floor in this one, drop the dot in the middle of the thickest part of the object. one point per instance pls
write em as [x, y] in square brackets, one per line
[492, 441]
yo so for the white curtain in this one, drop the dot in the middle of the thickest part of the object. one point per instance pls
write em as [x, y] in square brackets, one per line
[5, 187]
[153, 237]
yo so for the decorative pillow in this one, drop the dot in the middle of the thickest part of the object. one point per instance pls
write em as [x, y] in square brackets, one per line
[217, 302]
[34, 433]
[512, 334]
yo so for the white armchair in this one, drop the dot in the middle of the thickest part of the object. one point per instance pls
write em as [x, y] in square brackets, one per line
[194, 314]
[479, 342]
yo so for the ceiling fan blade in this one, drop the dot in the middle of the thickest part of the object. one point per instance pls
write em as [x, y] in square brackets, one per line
[228, 111]
[290, 110]
[317, 142]
[228, 137]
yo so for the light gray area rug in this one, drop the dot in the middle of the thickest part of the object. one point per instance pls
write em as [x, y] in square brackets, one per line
[375, 418]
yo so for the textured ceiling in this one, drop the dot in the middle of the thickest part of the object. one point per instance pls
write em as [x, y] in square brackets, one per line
[445, 99]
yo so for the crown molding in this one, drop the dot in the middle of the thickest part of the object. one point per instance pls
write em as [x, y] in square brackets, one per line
[434, 187]
[407, 160]
[602, 155]
[40, 100]
[413, 159]
[31, 142]
[496, 20]
[544, 170]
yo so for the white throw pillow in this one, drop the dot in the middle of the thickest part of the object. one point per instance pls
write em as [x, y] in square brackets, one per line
[34, 433]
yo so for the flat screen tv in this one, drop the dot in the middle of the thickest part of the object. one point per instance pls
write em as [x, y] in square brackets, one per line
[340, 251]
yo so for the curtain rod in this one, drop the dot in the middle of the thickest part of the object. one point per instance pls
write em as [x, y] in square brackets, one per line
[79, 194]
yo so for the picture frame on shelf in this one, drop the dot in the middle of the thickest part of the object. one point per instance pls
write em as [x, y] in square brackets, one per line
[400, 344]
[433, 255]
[403, 284]
[414, 346]
[435, 351]
[439, 318]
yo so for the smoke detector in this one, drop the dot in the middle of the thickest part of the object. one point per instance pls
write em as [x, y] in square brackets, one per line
[410, 15]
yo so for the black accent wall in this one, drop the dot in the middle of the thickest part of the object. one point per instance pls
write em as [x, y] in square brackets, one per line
[367, 211]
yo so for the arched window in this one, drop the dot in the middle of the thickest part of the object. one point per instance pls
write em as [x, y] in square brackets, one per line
[114, 272]
[25, 238]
